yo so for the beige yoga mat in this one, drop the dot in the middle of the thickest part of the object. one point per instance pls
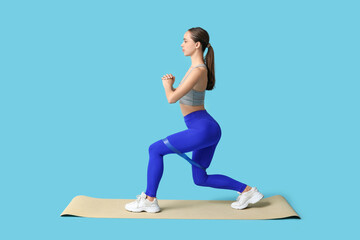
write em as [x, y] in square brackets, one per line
[267, 208]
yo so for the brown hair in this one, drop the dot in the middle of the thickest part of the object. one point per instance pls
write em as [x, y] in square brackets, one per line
[199, 34]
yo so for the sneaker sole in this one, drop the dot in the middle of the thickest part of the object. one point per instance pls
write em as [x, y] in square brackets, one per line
[252, 200]
[151, 210]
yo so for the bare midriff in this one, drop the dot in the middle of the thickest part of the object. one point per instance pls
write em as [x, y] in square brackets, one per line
[187, 109]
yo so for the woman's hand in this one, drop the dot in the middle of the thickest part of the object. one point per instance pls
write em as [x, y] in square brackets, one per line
[168, 79]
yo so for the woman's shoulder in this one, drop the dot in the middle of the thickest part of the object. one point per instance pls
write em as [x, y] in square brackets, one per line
[202, 69]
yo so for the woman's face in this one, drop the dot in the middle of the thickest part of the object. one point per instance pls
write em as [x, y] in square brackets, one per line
[188, 45]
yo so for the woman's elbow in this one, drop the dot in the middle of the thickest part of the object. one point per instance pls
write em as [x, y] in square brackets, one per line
[172, 100]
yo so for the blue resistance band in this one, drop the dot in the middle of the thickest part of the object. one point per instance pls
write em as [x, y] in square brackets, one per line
[167, 143]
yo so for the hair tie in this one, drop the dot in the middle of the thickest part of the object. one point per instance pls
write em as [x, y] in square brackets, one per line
[208, 45]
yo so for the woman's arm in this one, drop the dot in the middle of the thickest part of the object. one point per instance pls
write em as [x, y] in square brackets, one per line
[169, 91]
[174, 94]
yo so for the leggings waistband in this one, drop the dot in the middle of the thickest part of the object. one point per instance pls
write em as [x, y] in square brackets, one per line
[196, 114]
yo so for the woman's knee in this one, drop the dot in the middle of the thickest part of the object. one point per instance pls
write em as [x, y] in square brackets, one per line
[199, 177]
[200, 181]
[154, 148]
[158, 147]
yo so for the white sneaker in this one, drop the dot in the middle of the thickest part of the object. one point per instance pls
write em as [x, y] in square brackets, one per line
[252, 196]
[143, 204]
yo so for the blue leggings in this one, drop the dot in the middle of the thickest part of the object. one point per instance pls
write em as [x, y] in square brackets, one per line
[201, 137]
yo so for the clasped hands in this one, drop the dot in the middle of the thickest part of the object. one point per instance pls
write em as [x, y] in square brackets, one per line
[168, 79]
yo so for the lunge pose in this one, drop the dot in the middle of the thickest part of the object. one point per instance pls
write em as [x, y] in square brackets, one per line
[203, 132]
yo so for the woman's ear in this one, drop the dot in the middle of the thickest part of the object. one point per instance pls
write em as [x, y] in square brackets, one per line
[197, 44]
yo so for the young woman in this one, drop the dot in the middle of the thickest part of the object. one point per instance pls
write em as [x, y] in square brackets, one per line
[203, 133]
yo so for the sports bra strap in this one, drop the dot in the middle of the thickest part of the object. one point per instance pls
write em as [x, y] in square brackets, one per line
[192, 69]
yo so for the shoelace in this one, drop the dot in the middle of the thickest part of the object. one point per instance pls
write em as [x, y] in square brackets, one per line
[138, 198]
[237, 199]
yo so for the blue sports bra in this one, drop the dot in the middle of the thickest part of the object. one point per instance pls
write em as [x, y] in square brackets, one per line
[193, 97]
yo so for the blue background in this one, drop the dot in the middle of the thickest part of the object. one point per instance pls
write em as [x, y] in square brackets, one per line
[82, 100]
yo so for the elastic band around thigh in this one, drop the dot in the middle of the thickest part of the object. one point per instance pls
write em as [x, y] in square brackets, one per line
[183, 155]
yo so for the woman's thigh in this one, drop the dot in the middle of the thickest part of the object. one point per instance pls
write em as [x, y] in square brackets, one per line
[192, 139]
[204, 156]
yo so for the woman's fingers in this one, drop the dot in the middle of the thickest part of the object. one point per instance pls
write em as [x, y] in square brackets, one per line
[167, 76]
